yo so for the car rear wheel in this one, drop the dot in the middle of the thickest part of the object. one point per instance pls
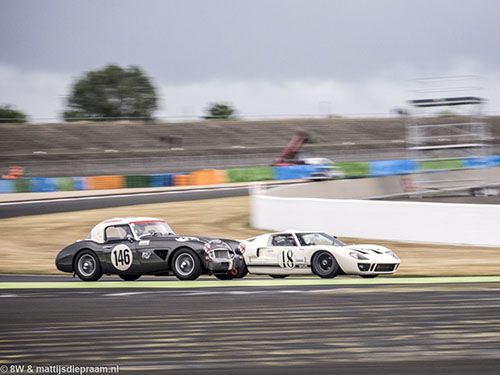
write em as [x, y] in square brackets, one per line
[87, 266]
[186, 265]
[324, 265]
[278, 276]
[127, 277]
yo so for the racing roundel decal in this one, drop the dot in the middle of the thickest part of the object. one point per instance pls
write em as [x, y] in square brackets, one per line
[122, 257]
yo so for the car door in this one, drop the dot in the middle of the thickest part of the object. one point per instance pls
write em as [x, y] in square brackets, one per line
[119, 250]
[153, 253]
[285, 250]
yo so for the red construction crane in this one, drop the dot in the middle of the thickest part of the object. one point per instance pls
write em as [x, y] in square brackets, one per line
[287, 156]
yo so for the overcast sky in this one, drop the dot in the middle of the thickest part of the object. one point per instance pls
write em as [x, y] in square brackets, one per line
[265, 57]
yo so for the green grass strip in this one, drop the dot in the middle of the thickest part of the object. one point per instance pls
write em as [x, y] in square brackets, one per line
[176, 284]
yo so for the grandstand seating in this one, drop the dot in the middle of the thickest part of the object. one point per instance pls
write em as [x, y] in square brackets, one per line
[98, 137]
[76, 143]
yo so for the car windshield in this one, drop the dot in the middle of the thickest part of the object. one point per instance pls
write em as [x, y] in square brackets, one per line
[151, 228]
[313, 239]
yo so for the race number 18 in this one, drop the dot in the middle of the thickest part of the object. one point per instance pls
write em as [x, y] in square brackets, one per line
[287, 259]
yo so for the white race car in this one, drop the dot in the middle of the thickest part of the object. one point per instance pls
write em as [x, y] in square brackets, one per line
[298, 253]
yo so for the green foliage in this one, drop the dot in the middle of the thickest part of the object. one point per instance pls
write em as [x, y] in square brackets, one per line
[9, 115]
[112, 93]
[220, 111]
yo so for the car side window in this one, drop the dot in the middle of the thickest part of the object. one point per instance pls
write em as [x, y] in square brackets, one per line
[302, 240]
[283, 240]
[118, 232]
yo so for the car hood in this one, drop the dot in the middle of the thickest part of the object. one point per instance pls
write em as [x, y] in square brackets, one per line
[368, 248]
[180, 238]
[374, 252]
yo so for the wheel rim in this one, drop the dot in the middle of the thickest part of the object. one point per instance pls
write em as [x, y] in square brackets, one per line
[86, 265]
[184, 264]
[325, 262]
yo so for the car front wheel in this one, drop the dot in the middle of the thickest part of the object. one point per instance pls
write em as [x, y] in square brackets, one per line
[324, 265]
[87, 266]
[242, 271]
[186, 265]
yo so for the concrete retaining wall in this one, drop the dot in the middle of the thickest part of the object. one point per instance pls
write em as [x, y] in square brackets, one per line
[445, 223]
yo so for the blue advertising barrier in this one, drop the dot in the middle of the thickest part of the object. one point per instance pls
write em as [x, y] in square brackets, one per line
[159, 180]
[479, 162]
[80, 183]
[7, 186]
[391, 167]
[494, 160]
[43, 184]
[293, 172]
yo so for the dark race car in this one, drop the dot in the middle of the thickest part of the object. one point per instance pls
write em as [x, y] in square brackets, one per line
[135, 246]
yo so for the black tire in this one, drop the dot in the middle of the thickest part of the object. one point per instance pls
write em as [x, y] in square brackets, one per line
[224, 276]
[324, 265]
[368, 276]
[242, 271]
[128, 277]
[186, 265]
[87, 266]
[278, 276]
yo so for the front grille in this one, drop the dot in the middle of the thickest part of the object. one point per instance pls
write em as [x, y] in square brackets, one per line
[384, 267]
[221, 254]
[161, 253]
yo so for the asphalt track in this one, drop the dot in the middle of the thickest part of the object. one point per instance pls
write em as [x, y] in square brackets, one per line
[41, 207]
[346, 325]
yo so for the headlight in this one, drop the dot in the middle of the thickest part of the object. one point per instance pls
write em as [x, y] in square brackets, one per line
[392, 254]
[207, 248]
[358, 256]
[241, 248]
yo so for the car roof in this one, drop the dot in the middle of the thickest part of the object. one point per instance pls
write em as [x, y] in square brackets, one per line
[288, 231]
[130, 220]
[97, 233]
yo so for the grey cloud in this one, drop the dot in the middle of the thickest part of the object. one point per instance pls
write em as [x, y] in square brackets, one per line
[188, 41]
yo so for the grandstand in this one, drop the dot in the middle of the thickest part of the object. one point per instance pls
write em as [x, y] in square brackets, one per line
[68, 149]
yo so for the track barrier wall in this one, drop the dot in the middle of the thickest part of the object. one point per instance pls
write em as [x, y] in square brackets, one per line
[213, 176]
[456, 224]
[250, 174]
[106, 182]
[7, 186]
[392, 167]
[355, 169]
[293, 172]
[181, 180]
[440, 164]
[138, 181]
